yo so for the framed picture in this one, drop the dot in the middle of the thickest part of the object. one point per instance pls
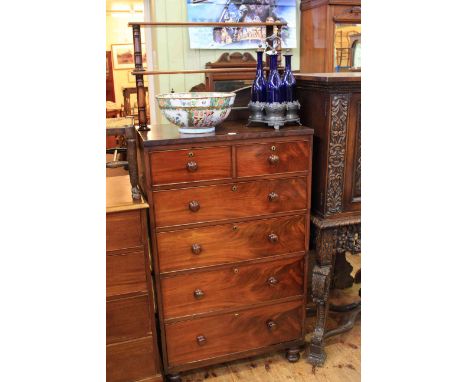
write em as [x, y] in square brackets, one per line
[239, 11]
[122, 56]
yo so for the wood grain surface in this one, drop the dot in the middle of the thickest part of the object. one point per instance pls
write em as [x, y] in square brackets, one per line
[223, 243]
[173, 166]
[272, 158]
[233, 332]
[230, 201]
[127, 318]
[232, 287]
[123, 230]
[125, 274]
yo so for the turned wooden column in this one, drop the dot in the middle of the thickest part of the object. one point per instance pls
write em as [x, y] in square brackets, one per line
[141, 93]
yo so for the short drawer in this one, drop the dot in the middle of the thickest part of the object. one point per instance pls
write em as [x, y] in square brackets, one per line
[224, 243]
[232, 287]
[125, 274]
[229, 201]
[215, 336]
[123, 230]
[178, 166]
[130, 361]
[127, 318]
[272, 158]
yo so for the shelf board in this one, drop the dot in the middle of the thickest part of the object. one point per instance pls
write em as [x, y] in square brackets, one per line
[197, 71]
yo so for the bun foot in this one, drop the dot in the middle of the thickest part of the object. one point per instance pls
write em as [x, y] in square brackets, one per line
[293, 355]
[173, 378]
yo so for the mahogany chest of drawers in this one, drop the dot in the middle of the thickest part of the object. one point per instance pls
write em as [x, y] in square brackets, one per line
[132, 345]
[229, 223]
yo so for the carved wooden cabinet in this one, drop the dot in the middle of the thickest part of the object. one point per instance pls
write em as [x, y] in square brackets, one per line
[229, 215]
[132, 350]
[330, 34]
[331, 104]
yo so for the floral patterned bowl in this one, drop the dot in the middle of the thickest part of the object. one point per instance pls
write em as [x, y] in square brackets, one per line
[198, 112]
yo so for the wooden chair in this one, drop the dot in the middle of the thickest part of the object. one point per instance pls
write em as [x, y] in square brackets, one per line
[125, 127]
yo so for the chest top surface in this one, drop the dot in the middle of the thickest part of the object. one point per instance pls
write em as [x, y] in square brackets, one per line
[168, 134]
[119, 195]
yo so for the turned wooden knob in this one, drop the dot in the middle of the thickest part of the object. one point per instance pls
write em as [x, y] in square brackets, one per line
[273, 196]
[196, 249]
[192, 166]
[273, 238]
[201, 340]
[194, 206]
[272, 280]
[273, 159]
[198, 294]
[272, 325]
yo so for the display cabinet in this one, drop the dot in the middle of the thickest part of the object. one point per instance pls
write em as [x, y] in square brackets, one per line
[330, 36]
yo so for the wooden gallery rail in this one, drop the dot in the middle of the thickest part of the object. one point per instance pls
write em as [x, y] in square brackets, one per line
[139, 71]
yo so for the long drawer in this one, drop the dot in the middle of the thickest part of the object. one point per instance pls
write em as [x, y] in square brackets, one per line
[125, 274]
[229, 333]
[272, 158]
[232, 287]
[229, 201]
[127, 318]
[223, 243]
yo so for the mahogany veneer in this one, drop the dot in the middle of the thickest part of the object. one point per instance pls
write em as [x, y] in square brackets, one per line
[229, 222]
[132, 350]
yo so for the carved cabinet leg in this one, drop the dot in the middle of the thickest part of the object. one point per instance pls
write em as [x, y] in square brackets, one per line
[293, 354]
[320, 288]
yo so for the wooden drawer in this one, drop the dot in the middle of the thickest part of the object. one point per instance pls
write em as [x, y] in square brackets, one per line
[229, 333]
[198, 247]
[272, 158]
[123, 230]
[229, 201]
[125, 274]
[177, 166]
[130, 361]
[127, 318]
[233, 287]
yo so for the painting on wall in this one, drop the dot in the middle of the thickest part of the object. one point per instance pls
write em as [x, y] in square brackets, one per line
[239, 11]
[122, 56]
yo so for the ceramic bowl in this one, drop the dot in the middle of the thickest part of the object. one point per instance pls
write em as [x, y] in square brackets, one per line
[198, 112]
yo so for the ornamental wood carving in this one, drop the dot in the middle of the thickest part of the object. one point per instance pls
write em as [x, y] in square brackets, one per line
[336, 154]
[357, 165]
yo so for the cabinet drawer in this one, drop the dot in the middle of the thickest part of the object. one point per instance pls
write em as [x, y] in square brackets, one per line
[123, 230]
[228, 333]
[229, 201]
[127, 318]
[130, 361]
[198, 247]
[272, 158]
[125, 274]
[232, 287]
[186, 165]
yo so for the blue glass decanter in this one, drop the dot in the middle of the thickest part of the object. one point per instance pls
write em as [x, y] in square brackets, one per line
[259, 84]
[288, 83]
[274, 80]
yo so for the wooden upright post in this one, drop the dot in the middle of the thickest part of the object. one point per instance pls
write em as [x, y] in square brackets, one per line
[141, 93]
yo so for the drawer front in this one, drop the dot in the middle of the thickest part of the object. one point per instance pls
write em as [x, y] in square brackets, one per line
[186, 165]
[125, 274]
[130, 361]
[233, 287]
[127, 318]
[229, 201]
[123, 230]
[272, 158]
[198, 247]
[228, 333]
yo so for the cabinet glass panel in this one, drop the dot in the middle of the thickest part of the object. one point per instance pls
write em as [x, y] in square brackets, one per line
[347, 52]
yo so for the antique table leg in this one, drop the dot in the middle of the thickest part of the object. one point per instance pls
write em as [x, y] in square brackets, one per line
[321, 276]
[293, 354]
[174, 378]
